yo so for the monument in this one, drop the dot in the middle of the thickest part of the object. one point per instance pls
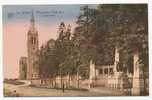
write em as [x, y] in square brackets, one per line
[119, 79]
[138, 81]
[92, 75]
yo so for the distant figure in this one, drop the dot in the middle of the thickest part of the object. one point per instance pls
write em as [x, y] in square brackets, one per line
[14, 91]
[63, 88]
[15, 94]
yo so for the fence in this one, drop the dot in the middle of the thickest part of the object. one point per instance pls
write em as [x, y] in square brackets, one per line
[121, 87]
[69, 82]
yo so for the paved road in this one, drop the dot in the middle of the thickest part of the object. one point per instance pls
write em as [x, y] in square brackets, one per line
[26, 90]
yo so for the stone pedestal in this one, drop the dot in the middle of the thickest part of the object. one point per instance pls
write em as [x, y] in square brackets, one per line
[118, 81]
[138, 86]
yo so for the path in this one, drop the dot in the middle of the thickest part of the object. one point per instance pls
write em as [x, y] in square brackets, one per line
[26, 90]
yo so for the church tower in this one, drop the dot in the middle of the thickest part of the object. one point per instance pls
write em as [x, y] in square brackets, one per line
[32, 50]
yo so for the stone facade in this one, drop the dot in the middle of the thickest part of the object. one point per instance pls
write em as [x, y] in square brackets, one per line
[22, 68]
[32, 46]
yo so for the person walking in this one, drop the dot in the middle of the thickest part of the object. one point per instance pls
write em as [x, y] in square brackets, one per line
[63, 87]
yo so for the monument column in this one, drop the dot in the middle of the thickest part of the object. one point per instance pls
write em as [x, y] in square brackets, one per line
[92, 73]
[138, 81]
[116, 59]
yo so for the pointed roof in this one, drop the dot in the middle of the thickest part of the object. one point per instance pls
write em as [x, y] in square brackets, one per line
[32, 28]
[32, 17]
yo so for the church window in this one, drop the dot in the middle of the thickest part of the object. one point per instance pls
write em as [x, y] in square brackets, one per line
[33, 40]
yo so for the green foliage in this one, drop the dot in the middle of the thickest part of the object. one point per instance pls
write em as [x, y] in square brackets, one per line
[99, 30]
[108, 26]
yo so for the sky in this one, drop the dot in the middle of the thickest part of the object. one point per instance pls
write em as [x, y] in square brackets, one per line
[16, 23]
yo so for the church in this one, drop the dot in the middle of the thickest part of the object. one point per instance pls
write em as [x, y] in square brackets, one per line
[31, 64]
[31, 71]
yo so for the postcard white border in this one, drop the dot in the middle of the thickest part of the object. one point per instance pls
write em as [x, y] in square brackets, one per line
[46, 2]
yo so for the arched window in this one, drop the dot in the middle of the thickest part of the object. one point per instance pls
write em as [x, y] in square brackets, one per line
[33, 40]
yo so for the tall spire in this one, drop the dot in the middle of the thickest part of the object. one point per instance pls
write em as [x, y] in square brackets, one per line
[32, 20]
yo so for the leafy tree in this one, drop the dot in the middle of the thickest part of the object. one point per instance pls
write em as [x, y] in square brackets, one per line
[99, 30]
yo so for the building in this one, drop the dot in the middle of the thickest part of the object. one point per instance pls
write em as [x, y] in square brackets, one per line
[33, 48]
[22, 68]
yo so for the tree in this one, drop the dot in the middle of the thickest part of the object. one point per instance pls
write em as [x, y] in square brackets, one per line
[99, 30]
[108, 26]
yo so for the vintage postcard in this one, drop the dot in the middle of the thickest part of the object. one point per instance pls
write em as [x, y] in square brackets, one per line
[75, 50]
